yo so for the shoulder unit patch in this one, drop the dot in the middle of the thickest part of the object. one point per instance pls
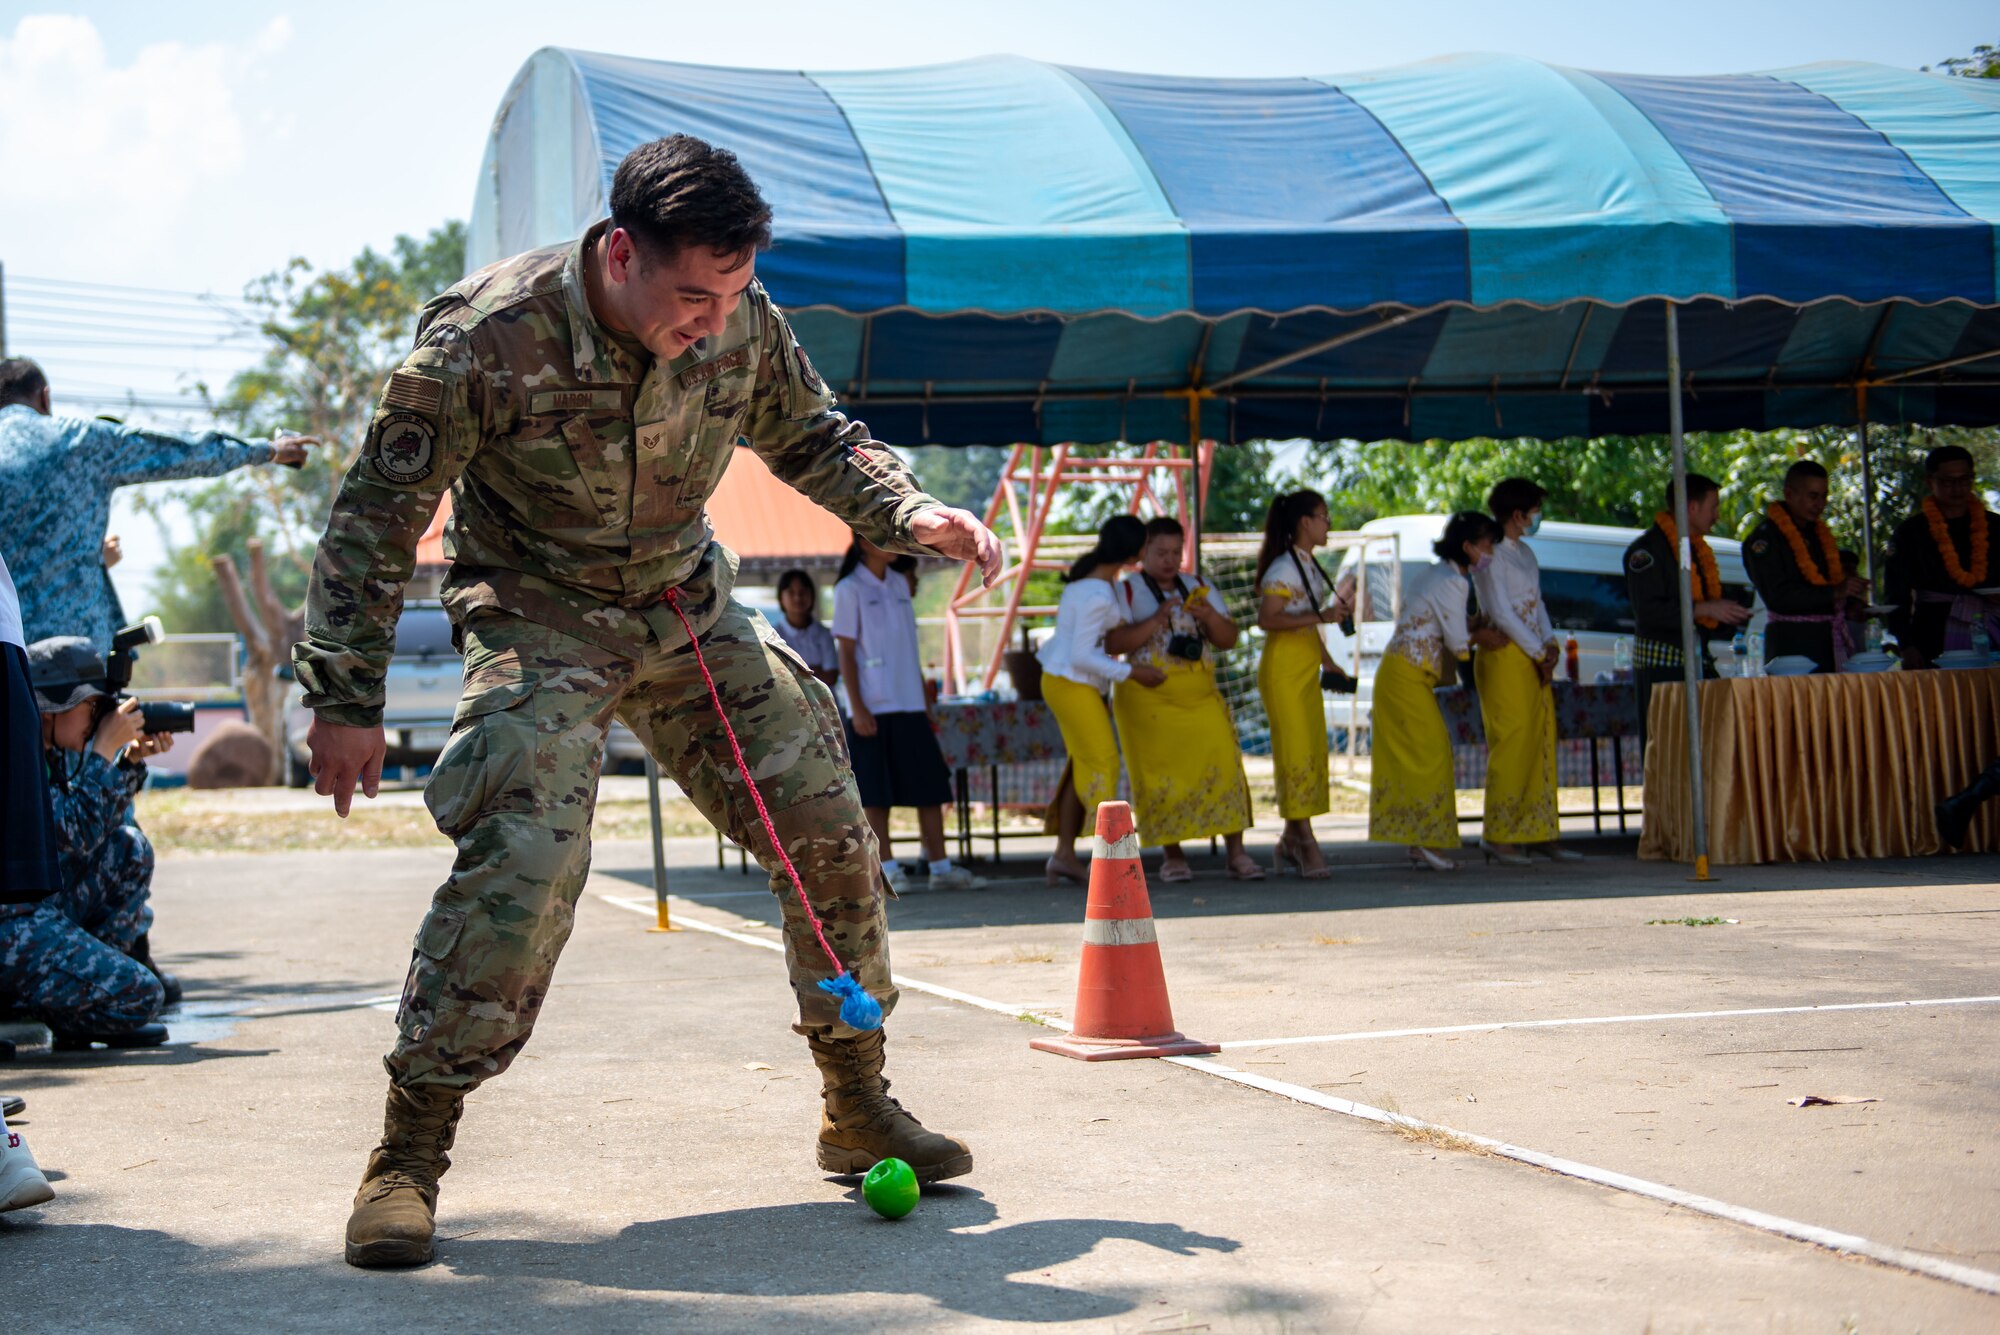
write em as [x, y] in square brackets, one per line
[405, 448]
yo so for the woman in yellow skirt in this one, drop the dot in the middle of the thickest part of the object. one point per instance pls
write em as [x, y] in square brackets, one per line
[1075, 674]
[1515, 697]
[1181, 753]
[1294, 599]
[1412, 798]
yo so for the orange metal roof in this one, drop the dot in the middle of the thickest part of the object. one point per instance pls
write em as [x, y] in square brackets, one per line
[755, 515]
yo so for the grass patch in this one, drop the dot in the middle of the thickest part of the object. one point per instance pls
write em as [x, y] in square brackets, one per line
[1689, 922]
[180, 821]
[1436, 1137]
[1024, 955]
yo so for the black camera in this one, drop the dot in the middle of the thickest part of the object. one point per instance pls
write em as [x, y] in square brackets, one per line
[160, 715]
[1186, 647]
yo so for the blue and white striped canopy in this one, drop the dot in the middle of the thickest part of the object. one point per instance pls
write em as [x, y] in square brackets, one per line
[1000, 250]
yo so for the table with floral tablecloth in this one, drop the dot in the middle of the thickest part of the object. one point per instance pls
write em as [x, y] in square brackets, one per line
[1002, 753]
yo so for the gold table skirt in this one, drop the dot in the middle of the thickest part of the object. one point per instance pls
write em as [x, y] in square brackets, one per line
[1805, 769]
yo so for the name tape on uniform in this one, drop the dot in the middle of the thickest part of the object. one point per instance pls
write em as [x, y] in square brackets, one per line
[708, 370]
[576, 400]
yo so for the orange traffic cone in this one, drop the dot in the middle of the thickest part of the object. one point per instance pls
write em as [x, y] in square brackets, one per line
[1121, 989]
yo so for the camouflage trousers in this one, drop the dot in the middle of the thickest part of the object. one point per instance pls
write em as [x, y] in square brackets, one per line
[63, 960]
[112, 897]
[60, 974]
[515, 787]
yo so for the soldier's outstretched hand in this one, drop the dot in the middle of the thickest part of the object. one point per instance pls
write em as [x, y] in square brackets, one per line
[341, 757]
[959, 535]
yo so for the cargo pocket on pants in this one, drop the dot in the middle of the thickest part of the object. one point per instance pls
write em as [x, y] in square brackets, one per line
[487, 766]
[425, 985]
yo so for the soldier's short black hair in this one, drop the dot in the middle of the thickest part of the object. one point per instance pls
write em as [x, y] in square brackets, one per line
[1700, 488]
[1164, 526]
[1805, 468]
[680, 191]
[1511, 496]
[1936, 459]
[20, 381]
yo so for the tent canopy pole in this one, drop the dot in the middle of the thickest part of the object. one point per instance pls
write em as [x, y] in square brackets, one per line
[1867, 492]
[1690, 644]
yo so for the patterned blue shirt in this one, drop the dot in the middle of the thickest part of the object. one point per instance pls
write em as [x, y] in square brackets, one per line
[56, 479]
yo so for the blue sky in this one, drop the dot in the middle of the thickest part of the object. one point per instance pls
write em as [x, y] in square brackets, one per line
[191, 147]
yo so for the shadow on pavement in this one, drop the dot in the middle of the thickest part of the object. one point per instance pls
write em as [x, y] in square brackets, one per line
[824, 1248]
[1364, 876]
[659, 1274]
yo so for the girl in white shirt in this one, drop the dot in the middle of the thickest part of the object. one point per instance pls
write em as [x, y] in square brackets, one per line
[1076, 671]
[1515, 699]
[800, 627]
[891, 745]
[1412, 796]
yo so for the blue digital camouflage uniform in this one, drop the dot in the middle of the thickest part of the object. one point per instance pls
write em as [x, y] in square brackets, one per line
[57, 475]
[106, 859]
[579, 473]
[63, 960]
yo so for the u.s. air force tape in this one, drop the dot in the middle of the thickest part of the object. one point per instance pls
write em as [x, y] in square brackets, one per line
[405, 448]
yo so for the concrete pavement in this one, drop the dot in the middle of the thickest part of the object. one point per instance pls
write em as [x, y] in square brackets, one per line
[640, 1167]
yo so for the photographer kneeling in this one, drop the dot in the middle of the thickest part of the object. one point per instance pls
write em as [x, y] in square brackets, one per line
[80, 960]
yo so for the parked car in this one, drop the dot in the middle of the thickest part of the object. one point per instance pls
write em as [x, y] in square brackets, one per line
[1583, 584]
[420, 694]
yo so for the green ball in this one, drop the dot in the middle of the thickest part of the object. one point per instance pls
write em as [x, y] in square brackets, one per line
[890, 1189]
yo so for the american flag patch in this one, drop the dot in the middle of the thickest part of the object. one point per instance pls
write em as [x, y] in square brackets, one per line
[407, 389]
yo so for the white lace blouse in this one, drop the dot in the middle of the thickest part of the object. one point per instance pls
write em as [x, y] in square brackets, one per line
[1433, 620]
[1296, 575]
[1510, 594]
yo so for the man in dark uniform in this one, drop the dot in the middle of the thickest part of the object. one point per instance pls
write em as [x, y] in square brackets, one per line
[1937, 558]
[1808, 600]
[1652, 575]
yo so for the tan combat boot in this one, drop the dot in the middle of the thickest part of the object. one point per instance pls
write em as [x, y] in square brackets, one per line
[862, 1125]
[395, 1210]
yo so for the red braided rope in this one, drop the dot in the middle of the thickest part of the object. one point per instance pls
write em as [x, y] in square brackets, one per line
[743, 768]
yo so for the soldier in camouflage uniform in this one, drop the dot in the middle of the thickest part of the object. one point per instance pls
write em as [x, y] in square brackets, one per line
[582, 403]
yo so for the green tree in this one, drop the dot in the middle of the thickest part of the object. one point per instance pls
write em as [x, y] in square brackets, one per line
[960, 475]
[1983, 63]
[335, 335]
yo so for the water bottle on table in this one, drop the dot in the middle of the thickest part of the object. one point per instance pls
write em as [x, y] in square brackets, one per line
[1739, 652]
[1755, 667]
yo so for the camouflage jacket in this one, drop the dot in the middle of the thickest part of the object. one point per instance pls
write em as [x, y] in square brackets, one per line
[89, 797]
[578, 473]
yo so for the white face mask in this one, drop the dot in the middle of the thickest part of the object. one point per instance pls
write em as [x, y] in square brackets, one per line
[1534, 524]
[1482, 563]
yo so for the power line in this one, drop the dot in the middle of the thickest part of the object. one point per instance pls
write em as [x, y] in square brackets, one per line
[169, 323]
[241, 343]
[78, 283]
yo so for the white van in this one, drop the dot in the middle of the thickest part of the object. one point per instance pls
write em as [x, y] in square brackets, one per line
[1583, 584]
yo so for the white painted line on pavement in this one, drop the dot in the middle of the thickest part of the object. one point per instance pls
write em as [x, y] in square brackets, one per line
[1603, 1019]
[647, 907]
[1982, 1280]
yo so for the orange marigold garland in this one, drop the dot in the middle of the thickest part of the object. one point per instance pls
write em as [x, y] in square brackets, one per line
[1704, 581]
[1829, 561]
[1975, 576]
